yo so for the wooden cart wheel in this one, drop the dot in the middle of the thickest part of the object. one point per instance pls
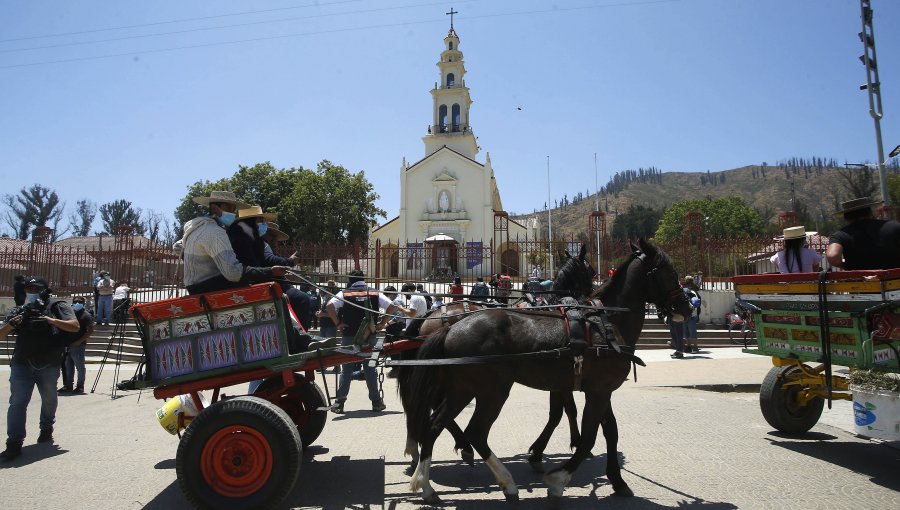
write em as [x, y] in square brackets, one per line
[781, 405]
[242, 453]
[304, 402]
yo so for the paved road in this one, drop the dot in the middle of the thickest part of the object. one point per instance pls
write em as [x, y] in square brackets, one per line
[680, 448]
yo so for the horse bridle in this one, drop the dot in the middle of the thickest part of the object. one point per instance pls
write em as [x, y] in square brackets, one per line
[653, 275]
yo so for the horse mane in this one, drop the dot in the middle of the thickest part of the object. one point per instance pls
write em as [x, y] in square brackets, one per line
[565, 276]
[618, 277]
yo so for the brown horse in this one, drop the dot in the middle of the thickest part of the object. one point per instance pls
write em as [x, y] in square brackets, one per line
[437, 394]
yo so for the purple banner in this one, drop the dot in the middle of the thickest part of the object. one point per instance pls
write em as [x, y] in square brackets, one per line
[473, 254]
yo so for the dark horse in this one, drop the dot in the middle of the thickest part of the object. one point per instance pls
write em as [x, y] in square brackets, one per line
[447, 389]
[569, 282]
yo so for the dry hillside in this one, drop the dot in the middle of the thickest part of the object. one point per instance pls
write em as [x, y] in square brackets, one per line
[769, 195]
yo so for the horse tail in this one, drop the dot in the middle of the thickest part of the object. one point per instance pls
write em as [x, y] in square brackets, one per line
[421, 391]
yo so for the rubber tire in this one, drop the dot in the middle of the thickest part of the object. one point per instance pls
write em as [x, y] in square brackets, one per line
[779, 405]
[307, 396]
[256, 413]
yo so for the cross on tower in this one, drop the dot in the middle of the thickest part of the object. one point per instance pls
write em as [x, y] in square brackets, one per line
[451, 13]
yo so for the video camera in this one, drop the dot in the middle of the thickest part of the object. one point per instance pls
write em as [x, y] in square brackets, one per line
[30, 312]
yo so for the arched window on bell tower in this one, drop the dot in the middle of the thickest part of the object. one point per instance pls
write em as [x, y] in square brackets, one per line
[451, 45]
[451, 80]
[455, 116]
[442, 118]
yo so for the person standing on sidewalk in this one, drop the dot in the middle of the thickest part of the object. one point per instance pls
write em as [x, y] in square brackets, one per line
[359, 304]
[691, 292]
[19, 290]
[35, 361]
[120, 295]
[74, 358]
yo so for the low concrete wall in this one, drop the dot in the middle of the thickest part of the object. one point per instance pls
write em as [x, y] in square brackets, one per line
[716, 303]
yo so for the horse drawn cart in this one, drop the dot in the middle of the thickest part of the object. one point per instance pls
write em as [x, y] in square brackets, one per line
[808, 322]
[240, 451]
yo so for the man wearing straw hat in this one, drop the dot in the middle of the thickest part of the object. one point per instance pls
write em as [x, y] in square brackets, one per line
[210, 263]
[864, 242]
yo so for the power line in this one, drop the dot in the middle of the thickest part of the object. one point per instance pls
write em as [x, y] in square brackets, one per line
[331, 31]
[183, 20]
[220, 27]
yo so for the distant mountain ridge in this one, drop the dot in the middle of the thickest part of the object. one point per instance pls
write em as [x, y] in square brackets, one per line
[817, 185]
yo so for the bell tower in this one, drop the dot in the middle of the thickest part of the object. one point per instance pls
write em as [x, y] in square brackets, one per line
[450, 118]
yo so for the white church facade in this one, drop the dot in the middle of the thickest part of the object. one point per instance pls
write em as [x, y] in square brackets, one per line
[450, 208]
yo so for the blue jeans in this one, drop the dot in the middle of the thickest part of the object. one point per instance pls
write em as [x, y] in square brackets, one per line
[104, 309]
[347, 370]
[23, 377]
[74, 361]
[690, 327]
[328, 331]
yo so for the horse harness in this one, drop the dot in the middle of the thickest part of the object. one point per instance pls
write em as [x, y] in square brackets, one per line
[580, 322]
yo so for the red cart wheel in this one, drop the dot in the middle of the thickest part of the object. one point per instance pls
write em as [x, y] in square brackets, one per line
[241, 453]
[304, 402]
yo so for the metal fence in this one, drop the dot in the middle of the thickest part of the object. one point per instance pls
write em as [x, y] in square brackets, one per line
[154, 271]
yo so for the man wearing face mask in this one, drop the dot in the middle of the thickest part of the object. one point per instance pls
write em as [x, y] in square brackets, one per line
[74, 358]
[35, 361]
[210, 263]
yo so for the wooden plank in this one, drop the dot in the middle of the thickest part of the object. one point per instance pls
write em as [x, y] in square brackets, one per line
[870, 287]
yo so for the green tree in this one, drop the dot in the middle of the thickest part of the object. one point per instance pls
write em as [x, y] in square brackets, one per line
[331, 205]
[722, 216]
[637, 221]
[118, 213]
[893, 184]
[83, 217]
[37, 206]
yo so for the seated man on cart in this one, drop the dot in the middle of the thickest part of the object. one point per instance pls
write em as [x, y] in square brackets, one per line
[209, 260]
[864, 242]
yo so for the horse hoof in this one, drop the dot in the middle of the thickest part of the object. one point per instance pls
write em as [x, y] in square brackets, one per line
[623, 491]
[512, 498]
[536, 465]
[468, 456]
[409, 470]
[433, 499]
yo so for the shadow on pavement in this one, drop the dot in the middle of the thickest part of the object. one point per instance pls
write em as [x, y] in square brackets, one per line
[877, 461]
[332, 483]
[170, 498]
[34, 453]
[165, 464]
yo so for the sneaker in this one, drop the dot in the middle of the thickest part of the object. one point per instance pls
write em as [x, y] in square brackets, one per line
[337, 408]
[378, 406]
[46, 436]
[676, 355]
[13, 450]
[79, 390]
[65, 390]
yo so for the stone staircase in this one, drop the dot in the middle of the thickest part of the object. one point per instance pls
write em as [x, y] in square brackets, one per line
[131, 349]
[655, 335]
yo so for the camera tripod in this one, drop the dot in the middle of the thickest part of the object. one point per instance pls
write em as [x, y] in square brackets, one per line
[116, 339]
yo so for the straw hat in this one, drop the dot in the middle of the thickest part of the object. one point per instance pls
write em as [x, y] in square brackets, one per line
[255, 211]
[857, 203]
[279, 235]
[218, 197]
[794, 233]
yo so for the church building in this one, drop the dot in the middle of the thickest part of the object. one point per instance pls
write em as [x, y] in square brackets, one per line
[451, 219]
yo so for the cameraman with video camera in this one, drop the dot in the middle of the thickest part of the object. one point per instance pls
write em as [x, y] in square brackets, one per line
[35, 360]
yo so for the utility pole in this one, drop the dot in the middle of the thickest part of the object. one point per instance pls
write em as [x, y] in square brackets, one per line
[597, 203]
[873, 86]
[549, 218]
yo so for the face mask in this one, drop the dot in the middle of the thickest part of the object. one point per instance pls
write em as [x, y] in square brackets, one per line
[31, 297]
[78, 307]
[226, 219]
[262, 228]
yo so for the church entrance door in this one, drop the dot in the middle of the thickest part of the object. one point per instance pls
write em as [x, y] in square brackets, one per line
[509, 262]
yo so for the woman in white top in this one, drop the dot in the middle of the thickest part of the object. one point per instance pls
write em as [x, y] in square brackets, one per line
[796, 257]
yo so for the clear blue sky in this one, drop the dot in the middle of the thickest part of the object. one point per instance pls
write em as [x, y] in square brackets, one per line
[685, 85]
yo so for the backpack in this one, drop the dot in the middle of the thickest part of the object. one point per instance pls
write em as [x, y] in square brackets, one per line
[480, 289]
[63, 337]
[504, 285]
[695, 306]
